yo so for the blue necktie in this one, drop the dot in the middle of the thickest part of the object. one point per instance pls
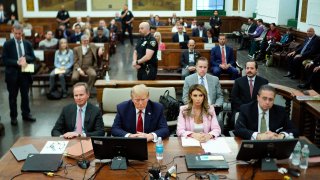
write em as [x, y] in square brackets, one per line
[305, 46]
[202, 81]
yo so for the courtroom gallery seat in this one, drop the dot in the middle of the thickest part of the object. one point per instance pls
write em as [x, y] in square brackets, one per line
[111, 97]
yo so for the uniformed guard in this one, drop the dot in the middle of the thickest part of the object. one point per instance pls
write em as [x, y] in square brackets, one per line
[145, 55]
[63, 17]
[126, 19]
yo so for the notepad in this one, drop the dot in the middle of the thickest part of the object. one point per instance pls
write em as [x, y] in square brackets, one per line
[54, 147]
[29, 68]
[59, 71]
[189, 142]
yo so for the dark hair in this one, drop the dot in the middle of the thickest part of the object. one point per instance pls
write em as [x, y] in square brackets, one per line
[260, 20]
[255, 62]
[153, 27]
[251, 19]
[274, 24]
[100, 28]
[267, 87]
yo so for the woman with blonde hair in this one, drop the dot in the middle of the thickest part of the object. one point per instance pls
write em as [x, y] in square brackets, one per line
[161, 45]
[198, 119]
[63, 62]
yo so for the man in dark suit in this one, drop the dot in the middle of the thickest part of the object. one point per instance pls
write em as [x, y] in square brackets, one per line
[222, 59]
[188, 59]
[244, 37]
[262, 120]
[309, 49]
[76, 36]
[100, 38]
[140, 117]
[157, 21]
[200, 31]
[17, 54]
[80, 119]
[245, 89]
[180, 36]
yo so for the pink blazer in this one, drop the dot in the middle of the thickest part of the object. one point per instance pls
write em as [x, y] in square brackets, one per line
[185, 126]
[162, 46]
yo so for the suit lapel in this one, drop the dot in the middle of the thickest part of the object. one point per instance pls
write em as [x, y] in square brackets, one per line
[247, 86]
[255, 116]
[87, 116]
[147, 118]
[74, 116]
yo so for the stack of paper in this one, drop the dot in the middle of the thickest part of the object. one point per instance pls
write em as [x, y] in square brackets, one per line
[75, 151]
[54, 147]
[188, 142]
[218, 145]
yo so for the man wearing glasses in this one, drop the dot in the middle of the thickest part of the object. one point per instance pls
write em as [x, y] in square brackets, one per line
[140, 117]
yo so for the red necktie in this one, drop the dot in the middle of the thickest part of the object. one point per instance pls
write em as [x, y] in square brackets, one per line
[251, 86]
[79, 122]
[140, 123]
[223, 57]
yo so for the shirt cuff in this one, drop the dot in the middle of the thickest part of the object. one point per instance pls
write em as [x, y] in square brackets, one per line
[127, 135]
[83, 135]
[155, 137]
[285, 134]
[254, 136]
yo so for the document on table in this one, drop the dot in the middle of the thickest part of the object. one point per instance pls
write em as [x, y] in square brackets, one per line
[54, 147]
[188, 142]
[218, 145]
[59, 71]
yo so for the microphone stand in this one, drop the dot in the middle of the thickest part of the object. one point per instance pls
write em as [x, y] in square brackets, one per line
[83, 163]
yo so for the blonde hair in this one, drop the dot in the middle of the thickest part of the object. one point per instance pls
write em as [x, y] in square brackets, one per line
[139, 90]
[158, 34]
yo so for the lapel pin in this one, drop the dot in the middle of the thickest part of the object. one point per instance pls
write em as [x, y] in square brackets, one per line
[149, 113]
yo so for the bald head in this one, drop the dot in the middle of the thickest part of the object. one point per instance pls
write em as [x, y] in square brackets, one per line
[310, 32]
[144, 28]
[191, 44]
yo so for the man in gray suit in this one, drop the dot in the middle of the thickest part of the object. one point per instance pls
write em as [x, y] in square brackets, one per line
[211, 83]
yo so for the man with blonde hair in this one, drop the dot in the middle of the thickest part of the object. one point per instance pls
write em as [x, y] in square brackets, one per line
[140, 117]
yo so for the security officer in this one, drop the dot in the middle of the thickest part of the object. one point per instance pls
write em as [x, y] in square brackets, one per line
[63, 16]
[145, 55]
[127, 18]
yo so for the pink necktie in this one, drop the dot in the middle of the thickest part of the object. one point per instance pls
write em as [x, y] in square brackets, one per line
[79, 122]
[251, 87]
[140, 123]
[223, 57]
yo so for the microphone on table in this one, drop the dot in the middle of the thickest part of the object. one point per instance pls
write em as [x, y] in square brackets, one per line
[83, 163]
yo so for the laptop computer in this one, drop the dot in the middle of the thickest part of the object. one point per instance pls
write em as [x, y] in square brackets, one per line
[203, 162]
[42, 163]
[21, 152]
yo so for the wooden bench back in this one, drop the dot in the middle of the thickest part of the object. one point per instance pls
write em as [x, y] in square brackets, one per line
[169, 39]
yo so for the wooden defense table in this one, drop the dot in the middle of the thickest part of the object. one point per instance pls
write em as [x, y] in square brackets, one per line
[9, 167]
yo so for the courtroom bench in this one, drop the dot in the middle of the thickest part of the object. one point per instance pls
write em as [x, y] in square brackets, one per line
[42, 80]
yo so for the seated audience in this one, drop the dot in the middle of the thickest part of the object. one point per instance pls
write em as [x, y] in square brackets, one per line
[209, 37]
[258, 31]
[100, 38]
[182, 22]
[256, 43]
[157, 21]
[175, 27]
[85, 61]
[245, 89]
[140, 117]
[3, 17]
[76, 36]
[102, 23]
[13, 20]
[79, 119]
[172, 21]
[198, 119]
[63, 62]
[193, 24]
[62, 32]
[112, 26]
[312, 75]
[161, 45]
[49, 42]
[211, 83]
[88, 19]
[244, 37]
[222, 59]
[180, 36]
[200, 31]
[151, 19]
[262, 119]
[309, 49]
[78, 21]
[188, 59]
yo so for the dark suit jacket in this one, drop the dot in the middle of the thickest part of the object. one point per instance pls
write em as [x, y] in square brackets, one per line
[93, 124]
[10, 58]
[125, 120]
[215, 22]
[185, 58]
[175, 37]
[312, 49]
[196, 32]
[247, 122]
[158, 23]
[252, 28]
[241, 91]
[103, 39]
[215, 59]
[113, 28]
[214, 39]
[75, 38]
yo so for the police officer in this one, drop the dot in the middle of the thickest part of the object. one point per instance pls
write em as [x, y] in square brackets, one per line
[145, 55]
[63, 16]
[126, 19]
